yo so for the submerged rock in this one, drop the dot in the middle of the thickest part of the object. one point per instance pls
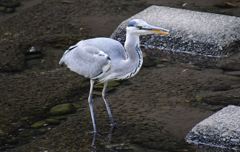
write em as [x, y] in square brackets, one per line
[63, 109]
[38, 124]
[53, 121]
[233, 73]
[113, 84]
[148, 62]
[10, 3]
[190, 66]
[31, 132]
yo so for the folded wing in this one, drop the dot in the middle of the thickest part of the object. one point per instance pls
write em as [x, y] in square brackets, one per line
[88, 61]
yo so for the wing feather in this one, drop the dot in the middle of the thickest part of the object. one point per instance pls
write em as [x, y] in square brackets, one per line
[88, 61]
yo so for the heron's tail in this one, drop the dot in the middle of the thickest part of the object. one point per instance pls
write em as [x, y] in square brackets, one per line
[61, 62]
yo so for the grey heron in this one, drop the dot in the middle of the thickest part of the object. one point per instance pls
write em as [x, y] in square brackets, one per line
[104, 59]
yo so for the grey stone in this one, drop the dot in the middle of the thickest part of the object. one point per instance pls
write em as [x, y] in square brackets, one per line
[196, 37]
[219, 130]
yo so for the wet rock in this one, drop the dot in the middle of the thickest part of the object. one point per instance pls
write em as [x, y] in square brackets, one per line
[220, 97]
[137, 141]
[2, 8]
[164, 60]
[33, 55]
[233, 73]
[9, 10]
[158, 61]
[10, 3]
[12, 141]
[110, 146]
[38, 124]
[63, 109]
[97, 93]
[34, 63]
[224, 4]
[231, 63]
[110, 84]
[160, 65]
[113, 84]
[126, 82]
[109, 89]
[31, 132]
[219, 130]
[118, 146]
[147, 62]
[59, 117]
[13, 62]
[190, 66]
[53, 121]
[143, 71]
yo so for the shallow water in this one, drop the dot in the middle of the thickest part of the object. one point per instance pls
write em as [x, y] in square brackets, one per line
[155, 110]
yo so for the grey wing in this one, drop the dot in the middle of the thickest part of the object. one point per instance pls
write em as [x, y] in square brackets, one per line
[88, 61]
[113, 48]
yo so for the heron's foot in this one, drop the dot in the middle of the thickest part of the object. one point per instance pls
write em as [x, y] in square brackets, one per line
[113, 126]
[95, 134]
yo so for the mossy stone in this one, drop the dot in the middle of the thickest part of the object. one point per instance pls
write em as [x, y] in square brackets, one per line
[113, 84]
[53, 121]
[38, 124]
[147, 62]
[63, 109]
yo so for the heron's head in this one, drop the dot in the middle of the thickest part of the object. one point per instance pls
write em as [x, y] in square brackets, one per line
[140, 27]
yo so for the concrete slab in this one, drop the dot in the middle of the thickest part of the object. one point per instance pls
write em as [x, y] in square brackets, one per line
[194, 36]
[222, 129]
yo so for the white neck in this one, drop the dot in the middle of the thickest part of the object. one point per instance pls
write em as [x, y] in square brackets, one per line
[135, 58]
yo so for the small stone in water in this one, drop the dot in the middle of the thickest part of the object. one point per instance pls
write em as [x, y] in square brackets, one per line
[38, 124]
[160, 65]
[63, 109]
[53, 121]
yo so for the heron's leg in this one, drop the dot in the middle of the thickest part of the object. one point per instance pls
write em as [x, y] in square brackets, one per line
[90, 101]
[106, 102]
[113, 124]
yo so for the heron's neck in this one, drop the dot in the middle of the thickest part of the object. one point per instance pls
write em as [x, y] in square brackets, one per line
[132, 46]
[135, 57]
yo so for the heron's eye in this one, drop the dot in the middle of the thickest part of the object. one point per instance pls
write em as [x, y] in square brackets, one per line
[139, 27]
